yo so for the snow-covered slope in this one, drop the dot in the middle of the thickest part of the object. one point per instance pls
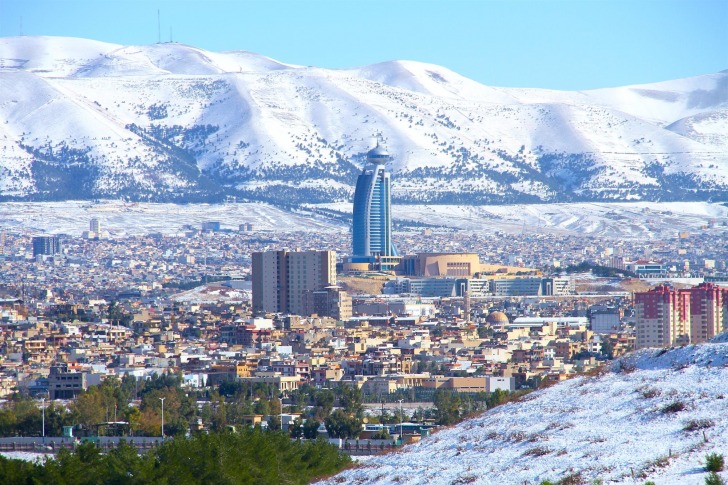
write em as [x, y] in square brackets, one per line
[175, 122]
[621, 427]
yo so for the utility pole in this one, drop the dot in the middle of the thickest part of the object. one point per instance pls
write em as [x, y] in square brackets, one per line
[162, 399]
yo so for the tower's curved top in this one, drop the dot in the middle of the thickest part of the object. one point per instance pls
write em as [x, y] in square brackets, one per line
[378, 155]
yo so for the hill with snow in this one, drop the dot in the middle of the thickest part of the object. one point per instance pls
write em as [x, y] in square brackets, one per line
[653, 416]
[171, 122]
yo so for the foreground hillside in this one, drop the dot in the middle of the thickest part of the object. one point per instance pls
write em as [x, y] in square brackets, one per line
[653, 416]
[170, 122]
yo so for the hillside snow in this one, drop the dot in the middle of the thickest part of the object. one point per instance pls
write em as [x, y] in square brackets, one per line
[616, 427]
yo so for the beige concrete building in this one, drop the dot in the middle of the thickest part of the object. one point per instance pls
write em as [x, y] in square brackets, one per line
[282, 383]
[281, 278]
[269, 270]
[328, 302]
[308, 271]
[433, 265]
[454, 265]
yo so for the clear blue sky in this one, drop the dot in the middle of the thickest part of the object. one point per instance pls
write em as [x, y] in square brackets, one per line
[566, 44]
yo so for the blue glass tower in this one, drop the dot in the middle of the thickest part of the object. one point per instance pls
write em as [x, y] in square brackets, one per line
[372, 221]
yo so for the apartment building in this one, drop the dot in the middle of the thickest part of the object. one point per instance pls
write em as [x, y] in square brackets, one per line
[282, 278]
[666, 316]
[663, 317]
[708, 312]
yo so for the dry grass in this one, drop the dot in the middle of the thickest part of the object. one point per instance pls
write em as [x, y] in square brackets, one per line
[355, 285]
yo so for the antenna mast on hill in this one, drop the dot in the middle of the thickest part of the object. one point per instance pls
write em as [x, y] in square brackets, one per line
[159, 28]
[21, 25]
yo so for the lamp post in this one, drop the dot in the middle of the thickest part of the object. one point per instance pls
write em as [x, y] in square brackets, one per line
[42, 400]
[162, 399]
[401, 439]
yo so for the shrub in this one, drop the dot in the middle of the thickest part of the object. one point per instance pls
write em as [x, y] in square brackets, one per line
[714, 479]
[673, 407]
[627, 368]
[697, 424]
[714, 462]
[537, 451]
[381, 435]
[573, 479]
[650, 393]
[518, 436]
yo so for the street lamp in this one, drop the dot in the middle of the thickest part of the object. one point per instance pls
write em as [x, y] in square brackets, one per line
[162, 399]
[401, 439]
[43, 409]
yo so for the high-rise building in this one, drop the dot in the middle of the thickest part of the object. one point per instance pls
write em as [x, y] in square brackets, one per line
[372, 217]
[666, 316]
[708, 304]
[95, 226]
[269, 281]
[282, 278]
[663, 317]
[46, 246]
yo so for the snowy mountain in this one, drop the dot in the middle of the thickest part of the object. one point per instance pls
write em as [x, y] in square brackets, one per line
[653, 416]
[87, 119]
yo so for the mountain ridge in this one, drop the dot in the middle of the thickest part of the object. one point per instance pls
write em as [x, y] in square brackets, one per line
[171, 122]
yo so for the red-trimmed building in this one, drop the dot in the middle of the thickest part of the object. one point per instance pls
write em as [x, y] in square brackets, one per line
[666, 316]
[708, 312]
[663, 317]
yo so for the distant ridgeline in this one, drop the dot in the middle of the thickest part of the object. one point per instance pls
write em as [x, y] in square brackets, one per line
[170, 122]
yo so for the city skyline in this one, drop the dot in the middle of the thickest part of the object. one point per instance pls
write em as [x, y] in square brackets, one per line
[567, 45]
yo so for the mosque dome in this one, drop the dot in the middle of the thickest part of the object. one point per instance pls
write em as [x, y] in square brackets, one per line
[497, 318]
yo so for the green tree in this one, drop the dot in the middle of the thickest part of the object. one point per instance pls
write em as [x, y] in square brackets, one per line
[496, 398]
[56, 417]
[447, 406]
[383, 434]
[274, 422]
[21, 416]
[133, 416]
[295, 428]
[324, 403]
[350, 398]
[714, 462]
[341, 425]
[714, 479]
[310, 429]
[250, 456]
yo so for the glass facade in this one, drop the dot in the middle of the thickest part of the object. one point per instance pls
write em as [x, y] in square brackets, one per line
[372, 219]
